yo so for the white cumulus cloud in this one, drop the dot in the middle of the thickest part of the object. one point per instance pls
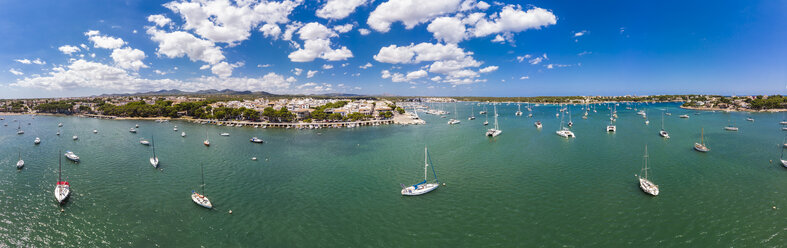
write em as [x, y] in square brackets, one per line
[409, 12]
[339, 9]
[129, 58]
[68, 49]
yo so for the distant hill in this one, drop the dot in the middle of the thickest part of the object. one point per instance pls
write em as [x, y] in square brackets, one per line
[184, 93]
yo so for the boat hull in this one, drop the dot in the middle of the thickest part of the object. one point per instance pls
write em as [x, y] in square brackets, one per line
[154, 162]
[701, 148]
[422, 189]
[493, 132]
[62, 191]
[648, 187]
[201, 200]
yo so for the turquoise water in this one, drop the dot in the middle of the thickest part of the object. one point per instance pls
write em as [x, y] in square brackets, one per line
[340, 187]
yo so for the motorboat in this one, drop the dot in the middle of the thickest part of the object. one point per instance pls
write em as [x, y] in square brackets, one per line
[132, 130]
[37, 141]
[256, 140]
[538, 124]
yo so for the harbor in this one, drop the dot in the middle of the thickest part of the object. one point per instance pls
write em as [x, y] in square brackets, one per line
[310, 187]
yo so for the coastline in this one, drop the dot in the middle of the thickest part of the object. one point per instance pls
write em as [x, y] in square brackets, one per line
[735, 110]
[397, 119]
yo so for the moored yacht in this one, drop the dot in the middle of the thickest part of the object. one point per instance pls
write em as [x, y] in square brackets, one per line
[62, 188]
[20, 163]
[37, 141]
[700, 147]
[256, 140]
[201, 199]
[538, 124]
[132, 130]
[71, 156]
[494, 132]
[644, 183]
[684, 116]
[422, 187]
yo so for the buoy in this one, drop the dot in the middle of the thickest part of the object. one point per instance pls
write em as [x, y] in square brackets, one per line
[230, 211]
[254, 158]
[443, 184]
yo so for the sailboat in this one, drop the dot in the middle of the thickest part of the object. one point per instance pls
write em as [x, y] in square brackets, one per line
[207, 141]
[454, 120]
[519, 110]
[422, 187]
[486, 117]
[183, 134]
[472, 115]
[62, 188]
[20, 163]
[483, 112]
[37, 141]
[730, 127]
[154, 159]
[494, 132]
[700, 147]
[201, 200]
[564, 132]
[570, 123]
[19, 129]
[663, 133]
[644, 183]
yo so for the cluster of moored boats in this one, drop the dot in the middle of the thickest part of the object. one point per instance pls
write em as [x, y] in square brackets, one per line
[565, 131]
[63, 188]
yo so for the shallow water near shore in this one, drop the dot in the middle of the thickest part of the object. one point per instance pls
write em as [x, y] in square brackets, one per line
[340, 187]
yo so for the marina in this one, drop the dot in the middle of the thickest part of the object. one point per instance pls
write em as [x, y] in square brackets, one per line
[304, 183]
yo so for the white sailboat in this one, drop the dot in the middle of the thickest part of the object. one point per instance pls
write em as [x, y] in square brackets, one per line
[486, 117]
[472, 115]
[730, 126]
[494, 132]
[644, 183]
[455, 120]
[37, 141]
[20, 163]
[132, 130]
[207, 140]
[19, 129]
[422, 187]
[564, 131]
[519, 110]
[154, 159]
[144, 142]
[62, 188]
[201, 199]
[663, 133]
[700, 147]
[71, 156]
[183, 134]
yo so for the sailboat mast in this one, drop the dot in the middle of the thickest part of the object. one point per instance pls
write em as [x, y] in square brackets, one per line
[153, 143]
[59, 166]
[202, 167]
[496, 127]
[646, 161]
[702, 136]
[426, 164]
[782, 155]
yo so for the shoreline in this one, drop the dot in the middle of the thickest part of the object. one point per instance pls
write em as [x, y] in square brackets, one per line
[734, 110]
[296, 125]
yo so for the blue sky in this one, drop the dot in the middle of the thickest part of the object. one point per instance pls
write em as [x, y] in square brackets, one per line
[400, 47]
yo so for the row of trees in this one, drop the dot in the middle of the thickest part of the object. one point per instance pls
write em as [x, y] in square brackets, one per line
[58, 107]
[281, 115]
[772, 102]
[140, 109]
